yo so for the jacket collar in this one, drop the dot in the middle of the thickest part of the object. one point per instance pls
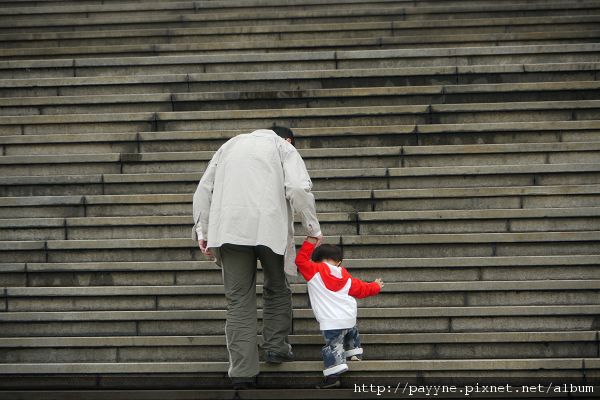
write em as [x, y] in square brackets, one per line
[263, 133]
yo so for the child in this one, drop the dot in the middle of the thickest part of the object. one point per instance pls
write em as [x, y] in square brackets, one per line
[332, 290]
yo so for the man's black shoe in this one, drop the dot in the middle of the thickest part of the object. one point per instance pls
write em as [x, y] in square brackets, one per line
[330, 382]
[278, 358]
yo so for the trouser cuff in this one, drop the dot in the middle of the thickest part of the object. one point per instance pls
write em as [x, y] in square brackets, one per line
[336, 369]
[353, 352]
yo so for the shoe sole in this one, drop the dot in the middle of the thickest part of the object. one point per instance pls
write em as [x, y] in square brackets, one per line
[277, 360]
[334, 385]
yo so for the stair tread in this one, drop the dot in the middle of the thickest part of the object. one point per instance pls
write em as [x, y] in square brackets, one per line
[458, 262]
[400, 312]
[212, 340]
[390, 287]
[264, 14]
[312, 27]
[140, 78]
[309, 153]
[437, 215]
[298, 366]
[297, 94]
[299, 112]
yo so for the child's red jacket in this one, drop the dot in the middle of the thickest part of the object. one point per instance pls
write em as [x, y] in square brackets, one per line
[332, 290]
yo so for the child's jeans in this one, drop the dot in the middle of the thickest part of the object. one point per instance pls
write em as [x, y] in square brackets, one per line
[339, 345]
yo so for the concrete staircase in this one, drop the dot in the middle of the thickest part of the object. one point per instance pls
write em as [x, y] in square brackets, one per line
[455, 152]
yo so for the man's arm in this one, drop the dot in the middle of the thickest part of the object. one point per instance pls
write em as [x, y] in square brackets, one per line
[297, 190]
[202, 201]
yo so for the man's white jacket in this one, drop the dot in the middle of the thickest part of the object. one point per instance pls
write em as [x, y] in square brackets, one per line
[249, 192]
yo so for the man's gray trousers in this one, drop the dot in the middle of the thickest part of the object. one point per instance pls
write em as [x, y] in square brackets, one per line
[239, 279]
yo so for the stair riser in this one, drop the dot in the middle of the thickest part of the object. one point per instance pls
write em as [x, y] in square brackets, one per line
[563, 95]
[218, 301]
[376, 140]
[144, 38]
[371, 44]
[566, 114]
[488, 202]
[338, 228]
[213, 277]
[297, 65]
[240, 10]
[301, 326]
[359, 162]
[290, 84]
[387, 251]
[87, 109]
[282, 20]
[382, 204]
[425, 351]
[372, 183]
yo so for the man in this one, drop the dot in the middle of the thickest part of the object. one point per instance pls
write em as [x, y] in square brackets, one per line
[243, 211]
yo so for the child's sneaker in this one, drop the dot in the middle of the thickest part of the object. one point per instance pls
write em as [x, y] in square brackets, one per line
[356, 358]
[330, 382]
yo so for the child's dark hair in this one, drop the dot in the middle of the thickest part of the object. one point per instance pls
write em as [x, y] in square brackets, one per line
[327, 251]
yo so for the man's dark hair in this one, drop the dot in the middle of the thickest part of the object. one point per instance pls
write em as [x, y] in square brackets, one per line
[327, 251]
[284, 132]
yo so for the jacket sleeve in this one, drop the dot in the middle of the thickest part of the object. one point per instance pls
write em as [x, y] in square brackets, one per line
[203, 199]
[306, 266]
[297, 189]
[361, 289]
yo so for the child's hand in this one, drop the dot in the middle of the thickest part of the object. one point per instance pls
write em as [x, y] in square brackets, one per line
[379, 282]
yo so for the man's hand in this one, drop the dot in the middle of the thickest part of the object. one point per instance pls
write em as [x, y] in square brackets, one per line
[316, 240]
[379, 282]
[203, 247]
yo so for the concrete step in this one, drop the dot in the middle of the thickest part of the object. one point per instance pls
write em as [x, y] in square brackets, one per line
[211, 297]
[331, 158]
[19, 82]
[296, 61]
[515, 197]
[211, 375]
[258, 16]
[304, 117]
[365, 223]
[355, 246]
[413, 346]
[308, 98]
[75, 10]
[448, 269]
[298, 31]
[579, 36]
[320, 137]
[268, 390]
[176, 8]
[380, 320]
[221, 4]
[323, 179]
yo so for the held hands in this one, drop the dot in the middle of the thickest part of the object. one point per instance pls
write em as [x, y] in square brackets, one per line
[379, 282]
[316, 240]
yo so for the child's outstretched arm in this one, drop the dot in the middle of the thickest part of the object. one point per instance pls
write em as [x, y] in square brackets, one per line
[361, 289]
[305, 265]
